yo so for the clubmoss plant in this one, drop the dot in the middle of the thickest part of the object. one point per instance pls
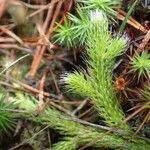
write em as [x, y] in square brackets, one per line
[64, 34]
[91, 30]
[141, 64]
[102, 50]
[76, 133]
[73, 32]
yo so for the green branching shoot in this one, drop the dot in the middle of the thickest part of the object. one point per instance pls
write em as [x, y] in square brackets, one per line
[65, 34]
[76, 133]
[20, 101]
[102, 50]
[73, 32]
[81, 25]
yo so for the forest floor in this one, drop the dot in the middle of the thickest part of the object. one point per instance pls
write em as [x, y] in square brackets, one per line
[32, 63]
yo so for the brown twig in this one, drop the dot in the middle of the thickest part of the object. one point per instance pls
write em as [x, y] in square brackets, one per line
[16, 47]
[11, 34]
[41, 49]
[3, 4]
[135, 113]
[36, 91]
[55, 82]
[41, 104]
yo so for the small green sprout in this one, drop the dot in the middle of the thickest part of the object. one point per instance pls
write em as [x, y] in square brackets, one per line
[141, 64]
